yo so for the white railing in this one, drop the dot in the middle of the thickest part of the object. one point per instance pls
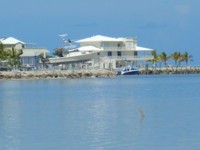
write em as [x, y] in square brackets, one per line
[62, 59]
[149, 57]
[105, 58]
[121, 48]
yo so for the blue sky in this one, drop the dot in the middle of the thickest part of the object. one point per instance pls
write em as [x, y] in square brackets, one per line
[165, 25]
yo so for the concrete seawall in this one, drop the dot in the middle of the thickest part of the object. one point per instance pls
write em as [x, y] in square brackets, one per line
[193, 70]
[56, 74]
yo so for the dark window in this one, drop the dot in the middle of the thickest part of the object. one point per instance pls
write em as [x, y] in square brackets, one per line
[98, 54]
[135, 54]
[119, 53]
[109, 53]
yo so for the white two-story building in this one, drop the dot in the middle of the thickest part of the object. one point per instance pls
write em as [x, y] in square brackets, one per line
[30, 53]
[105, 53]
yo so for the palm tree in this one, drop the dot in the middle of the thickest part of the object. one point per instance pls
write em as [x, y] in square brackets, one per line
[159, 59]
[155, 58]
[3, 53]
[180, 59]
[1, 47]
[175, 56]
[14, 58]
[187, 58]
[164, 58]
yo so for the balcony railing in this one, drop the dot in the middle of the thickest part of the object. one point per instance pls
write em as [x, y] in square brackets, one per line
[105, 58]
[120, 48]
[148, 57]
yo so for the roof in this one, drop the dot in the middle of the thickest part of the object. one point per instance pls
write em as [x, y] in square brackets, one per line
[98, 38]
[10, 40]
[138, 48]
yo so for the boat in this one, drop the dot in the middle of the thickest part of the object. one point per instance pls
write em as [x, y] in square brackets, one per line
[128, 71]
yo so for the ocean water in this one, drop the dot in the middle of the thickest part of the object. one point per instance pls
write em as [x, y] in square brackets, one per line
[160, 112]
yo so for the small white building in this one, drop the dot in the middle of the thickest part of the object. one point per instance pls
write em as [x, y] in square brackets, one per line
[105, 52]
[10, 42]
[30, 53]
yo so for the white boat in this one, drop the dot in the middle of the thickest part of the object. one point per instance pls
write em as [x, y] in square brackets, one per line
[128, 71]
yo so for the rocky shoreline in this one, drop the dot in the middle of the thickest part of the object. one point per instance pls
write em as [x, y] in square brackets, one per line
[61, 74]
[57, 74]
[189, 70]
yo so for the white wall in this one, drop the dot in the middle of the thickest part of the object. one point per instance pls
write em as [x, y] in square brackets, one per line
[19, 46]
[96, 44]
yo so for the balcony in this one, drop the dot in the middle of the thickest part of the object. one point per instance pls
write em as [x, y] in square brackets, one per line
[107, 58]
[114, 48]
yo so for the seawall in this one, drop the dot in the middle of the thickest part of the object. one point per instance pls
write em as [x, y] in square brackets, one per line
[100, 73]
[6, 75]
[189, 70]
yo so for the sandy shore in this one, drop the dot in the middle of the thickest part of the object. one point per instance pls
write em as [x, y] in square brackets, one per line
[56, 74]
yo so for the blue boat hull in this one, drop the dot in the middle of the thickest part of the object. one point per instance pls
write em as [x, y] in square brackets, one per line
[128, 72]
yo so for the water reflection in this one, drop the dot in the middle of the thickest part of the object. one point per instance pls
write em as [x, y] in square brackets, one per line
[113, 124]
[98, 126]
[125, 113]
[9, 119]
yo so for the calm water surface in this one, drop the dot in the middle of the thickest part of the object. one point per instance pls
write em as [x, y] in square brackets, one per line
[129, 113]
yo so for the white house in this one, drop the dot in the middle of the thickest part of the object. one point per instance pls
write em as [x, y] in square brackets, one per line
[105, 52]
[10, 42]
[30, 53]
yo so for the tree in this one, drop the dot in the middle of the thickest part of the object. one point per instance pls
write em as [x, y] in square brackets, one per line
[175, 56]
[164, 58]
[159, 59]
[58, 52]
[14, 58]
[180, 59]
[1, 47]
[3, 52]
[187, 58]
[155, 58]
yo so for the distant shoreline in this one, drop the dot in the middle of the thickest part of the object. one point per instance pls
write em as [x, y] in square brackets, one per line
[100, 73]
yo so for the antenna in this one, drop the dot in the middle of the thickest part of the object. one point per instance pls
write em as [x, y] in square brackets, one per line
[67, 42]
[63, 35]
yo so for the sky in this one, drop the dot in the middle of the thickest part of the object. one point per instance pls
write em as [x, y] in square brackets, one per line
[164, 25]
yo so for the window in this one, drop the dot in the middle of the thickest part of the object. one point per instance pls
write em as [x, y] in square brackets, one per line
[98, 54]
[135, 54]
[119, 53]
[109, 53]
